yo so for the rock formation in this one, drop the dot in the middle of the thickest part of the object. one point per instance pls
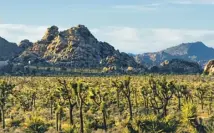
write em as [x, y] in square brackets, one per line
[177, 66]
[209, 68]
[25, 44]
[76, 47]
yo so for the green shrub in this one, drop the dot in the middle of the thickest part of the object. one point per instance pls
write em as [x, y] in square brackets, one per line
[36, 125]
[15, 123]
[209, 125]
[66, 128]
[153, 124]
[188, 117]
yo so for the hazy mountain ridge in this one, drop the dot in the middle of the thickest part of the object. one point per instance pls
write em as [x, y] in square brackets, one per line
[8, 49]
[196, 51]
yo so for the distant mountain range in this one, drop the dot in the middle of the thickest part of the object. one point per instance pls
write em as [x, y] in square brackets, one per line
[196, 52]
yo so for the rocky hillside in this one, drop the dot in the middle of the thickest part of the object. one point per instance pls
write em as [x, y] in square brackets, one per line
[177, 66]
[8, 50]
[75, 47]
[196, 51]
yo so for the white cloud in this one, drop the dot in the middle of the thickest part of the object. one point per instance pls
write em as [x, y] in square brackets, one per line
[154, 5]
[137, 40]
[146, 7]
[18, 32]
[126, 39]
[189, 2]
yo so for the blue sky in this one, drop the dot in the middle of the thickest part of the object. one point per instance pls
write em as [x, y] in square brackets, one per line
[135, 26]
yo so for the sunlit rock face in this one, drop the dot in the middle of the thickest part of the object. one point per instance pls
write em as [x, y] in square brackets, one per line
[209, 68]
[76, 47]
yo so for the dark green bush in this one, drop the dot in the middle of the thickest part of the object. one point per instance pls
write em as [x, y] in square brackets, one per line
[36, 125]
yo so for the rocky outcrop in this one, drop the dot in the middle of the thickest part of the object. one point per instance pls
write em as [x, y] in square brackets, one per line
[177, 66]
[209, 68]
[51, 33]
[151, 59]
[25, 44]
[76, 47]
[40, 47]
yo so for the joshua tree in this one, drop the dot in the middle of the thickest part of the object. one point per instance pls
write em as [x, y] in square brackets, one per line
[126, 90]
[80, 90]
[68, 95]
[59, 114]
[187, 94]
[33, 94]
[189, 119]
[118, 90]
[50, 99]
[146, 94]
[135, 95]
[167, 91]
[162, 93]
[200, 94]
[179, 93]
[99, 99]
[5, 91]
[154, 99]
[210, 98]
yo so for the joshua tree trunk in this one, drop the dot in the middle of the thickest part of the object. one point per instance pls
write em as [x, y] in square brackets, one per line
[179, 103]
[104, 120]
[51, 109]
[3, 122]
[81, 117]
[57, 121]
[118, 99]
[147, 106]
[3, 117]
[60, 120]
[202, 104]
[34, 103]
[136, 99]
[130, 107]
[71, 107]
[71, 115]
[210, 105]
[0, 116]
[165, 108]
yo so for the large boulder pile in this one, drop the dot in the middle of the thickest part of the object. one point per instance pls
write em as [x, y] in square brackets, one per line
[76, 47]
[25, 44]
[209, 68]
[177, 66]
[180, 66]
